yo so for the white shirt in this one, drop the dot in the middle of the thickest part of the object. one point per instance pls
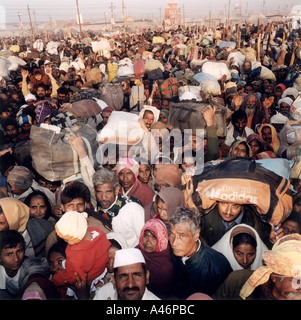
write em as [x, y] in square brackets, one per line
[107, 292]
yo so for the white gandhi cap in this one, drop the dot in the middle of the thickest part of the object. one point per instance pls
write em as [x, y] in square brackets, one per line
[125, 257]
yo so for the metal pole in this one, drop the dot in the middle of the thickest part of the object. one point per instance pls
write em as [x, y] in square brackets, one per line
[35, 21]
[79, 19]
[229, 4]
[31, 26]
[20, 21]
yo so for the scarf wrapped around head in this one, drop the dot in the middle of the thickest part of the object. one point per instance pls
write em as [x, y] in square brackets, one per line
[275, 140]
[225, 246]
[129, 164]
[20, 177]
[255, 137]
[152, 109]
[284, 259]
[157, 227]
[16, 213]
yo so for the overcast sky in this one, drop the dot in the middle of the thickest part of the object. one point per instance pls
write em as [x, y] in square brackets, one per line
[43, 10]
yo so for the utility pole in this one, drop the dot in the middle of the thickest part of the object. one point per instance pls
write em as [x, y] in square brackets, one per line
[229, 5]
[79, 19]
[106, 19]
[31, 26]
[123, 11]
[112, 13]
[263, 6]
[20, 22]
[35, 21]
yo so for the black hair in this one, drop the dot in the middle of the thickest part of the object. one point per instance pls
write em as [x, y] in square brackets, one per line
[115, 244]
[10, 239]
[75, 190]
[244, 238]
[63, 90]
[10, 122]
[59, 246]
[7, 161]
[238, 115]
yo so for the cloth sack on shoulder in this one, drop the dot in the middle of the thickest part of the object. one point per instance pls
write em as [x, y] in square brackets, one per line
[53, 156]
[113, 95]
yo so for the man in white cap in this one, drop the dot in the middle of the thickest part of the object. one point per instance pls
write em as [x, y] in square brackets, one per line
[130, 278]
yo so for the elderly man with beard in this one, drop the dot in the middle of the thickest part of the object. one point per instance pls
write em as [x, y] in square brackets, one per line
[257, 112]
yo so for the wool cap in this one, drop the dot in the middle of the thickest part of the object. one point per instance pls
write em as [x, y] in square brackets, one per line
[129, 163]
[290, 92]
[165, 113]
[286, 100]
[72, 226]
[20, 177]
[125, 257]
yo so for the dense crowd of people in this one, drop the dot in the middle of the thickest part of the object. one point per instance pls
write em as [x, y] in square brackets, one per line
[102, 136]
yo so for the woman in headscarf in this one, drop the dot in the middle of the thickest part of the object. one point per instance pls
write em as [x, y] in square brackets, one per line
[14, 215]
[164, 204]
[240, 148]
[279, 277]
[39, 206]
[242, 247]
[256, 144]
[154, 245]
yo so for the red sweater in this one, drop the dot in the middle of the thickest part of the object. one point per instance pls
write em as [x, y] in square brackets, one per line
[89, 256]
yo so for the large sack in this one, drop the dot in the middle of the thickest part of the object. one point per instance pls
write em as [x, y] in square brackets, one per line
[122, 128]
[15, 63]
[241, 181]
[290, 141]
[266, 73]
[4, 68]
[52, 155]
[83, 109]
[169, 88]
[139, 69]
[194, 90]
[113, 95]
[86, 94]
[216, 69]
[208, 84]
[189, 115]
[93, 75]
[125, 68]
